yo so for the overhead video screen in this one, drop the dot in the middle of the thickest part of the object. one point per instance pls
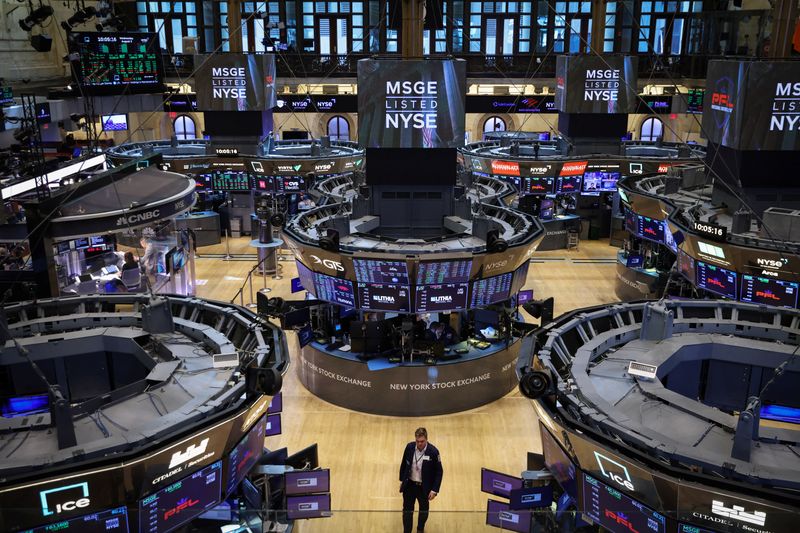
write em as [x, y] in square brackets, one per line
[380, 271]
[338, 291]
[443, 297]
[111, 520]
[594, 84]
[411, 104]
[180, 502]
[435, 272]
[110, 63]
[615, 511]
[600, 181]
[694, 101]
[289, 184]
[539, 185]
[568, 184]
[770, 291]
[384, 297]
[230, 181]
[245, 454]
[235, 82]
[488, 291]
[717, 280]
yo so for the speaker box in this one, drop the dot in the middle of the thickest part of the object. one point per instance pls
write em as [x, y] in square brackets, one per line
[263, 381]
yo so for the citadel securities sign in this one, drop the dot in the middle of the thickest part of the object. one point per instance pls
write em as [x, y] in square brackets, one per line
[411, 104]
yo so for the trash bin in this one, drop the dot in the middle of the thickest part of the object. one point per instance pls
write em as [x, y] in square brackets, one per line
[236, 227]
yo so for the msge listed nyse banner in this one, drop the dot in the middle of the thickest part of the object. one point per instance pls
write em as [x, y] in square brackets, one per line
[235, 82]
[411, 104]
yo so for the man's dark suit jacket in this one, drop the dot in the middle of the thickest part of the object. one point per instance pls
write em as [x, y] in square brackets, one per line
[431, 467]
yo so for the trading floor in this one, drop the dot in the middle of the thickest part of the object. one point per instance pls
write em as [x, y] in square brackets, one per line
[363, 451]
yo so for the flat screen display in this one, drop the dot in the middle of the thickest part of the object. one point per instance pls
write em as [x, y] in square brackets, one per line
[540, 185]
[558, 463]
[289, 184]
[669, 239]
[568, 184]
[6, 95]
[499, 514]
[276, 404]
[499, 484]
[384, 297]
[114, 122]
[297, 285]
[264, 183]
[634, 261]
[111, 63]
[182, 501]
[615, 511]
[520, 277]
[488, 291]
[593, 84]
[531, 498]
[308, 506]
[306, 276]
[110, 520]
[650, 228]
[546, 208]
[235, 82]
[525, 296]
[43, 112]
[380, 271]
[308, 482]
[716, 279]
[273, 425]
[441, 297]
[335, 290]
[230, 181]
[245, 454]
[758, 290]
[694, 101]
[411, 103]
[600, 181]
[435, 272]
[686, 266]
[631, 224]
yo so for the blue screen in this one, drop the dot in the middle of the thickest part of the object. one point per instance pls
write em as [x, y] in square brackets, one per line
[110, 520]
[297, 285]
[25, 405]
[782, 413]
[615, 511]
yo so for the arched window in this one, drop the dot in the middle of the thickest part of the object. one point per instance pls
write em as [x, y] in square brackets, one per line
[339, 129]
[494, 124]
[185, 128]
[652, 129]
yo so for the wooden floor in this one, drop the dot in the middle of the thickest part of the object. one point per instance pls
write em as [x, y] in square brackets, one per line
[363, 451]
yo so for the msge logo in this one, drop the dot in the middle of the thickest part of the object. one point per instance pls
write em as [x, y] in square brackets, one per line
[66, 498]
[614, 471]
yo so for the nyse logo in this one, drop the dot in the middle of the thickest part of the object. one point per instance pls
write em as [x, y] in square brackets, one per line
[771, 263]
[327, 263]
[497, 264]
[178, 458]
[737, 512]
[324, 167]
[50, 496]
[614, 471]
[785, 107]
[540, 170]
[137, 218]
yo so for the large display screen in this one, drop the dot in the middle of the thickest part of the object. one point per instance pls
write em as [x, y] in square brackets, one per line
[558, 463]
[568, 184]
[289, 184]
[539, 185]
[111, 520]
[594, 84]
[336, 290]
[770, 291]
[308, 506]
[384, 297]
[306, 276]
[230, 180]
[114, 122]
[490, 290]
[650, 228]
[615, 511]
[694, 101]
[499, 484]
[380, 271]
[235, 82]
[520, 277]
[110, 63]
[716, 279]
[499, 514]
[180, 502]
[435, 272]
[442, 297]
[246, 454]
[686, 266]
[411, 104]
[307, 482]
[600, 181]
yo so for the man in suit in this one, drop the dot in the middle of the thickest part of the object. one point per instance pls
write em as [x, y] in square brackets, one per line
[420, 478]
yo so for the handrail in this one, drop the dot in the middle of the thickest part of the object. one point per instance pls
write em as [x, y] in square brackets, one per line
[249, 278]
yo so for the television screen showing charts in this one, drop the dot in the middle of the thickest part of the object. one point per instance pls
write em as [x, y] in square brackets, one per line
[435, 272]
[568, 184]
[230, 181]
[442, 297]
[490, 290]
[770, 291]
[110, 63]
[108, 521]
[615, 511]
[384, 297]
[335, 290]
[380, 271]
[182, 501]
[650, 228]
[716, 279]
[539, 184]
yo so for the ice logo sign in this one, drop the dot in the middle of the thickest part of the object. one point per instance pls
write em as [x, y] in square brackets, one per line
[614, 471]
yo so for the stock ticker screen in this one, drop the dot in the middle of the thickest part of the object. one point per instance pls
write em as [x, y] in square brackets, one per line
[490, 290]
[615, 511]
[442, 297]
[539, 184]
[230, 181]
[380, 271]
[758, 290]
[180, 502]
[437, 272]
[110, 520]
[716, 279]
[245, 454]
[568, 184]
[113, 62]
[338, 291]
[694, 101]
[650, 228]
[384, 297]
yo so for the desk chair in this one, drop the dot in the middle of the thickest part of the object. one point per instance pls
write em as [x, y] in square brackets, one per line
[132, 278]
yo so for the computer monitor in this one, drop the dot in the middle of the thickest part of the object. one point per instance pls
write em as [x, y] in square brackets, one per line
[498, 484]
[275, 404]
[499, 514]
[273, 425]
[305, 335]
[531, 497]
[297, 286]
[305, 459]
[308, 506]
[524, 296]
[308, 482]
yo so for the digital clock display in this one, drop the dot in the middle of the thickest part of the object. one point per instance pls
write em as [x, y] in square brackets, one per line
[710, 230]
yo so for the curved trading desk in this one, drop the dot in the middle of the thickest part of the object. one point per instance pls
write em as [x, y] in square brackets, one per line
[410, 389]
[556, 231]
[636, 283]
[204, 224]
